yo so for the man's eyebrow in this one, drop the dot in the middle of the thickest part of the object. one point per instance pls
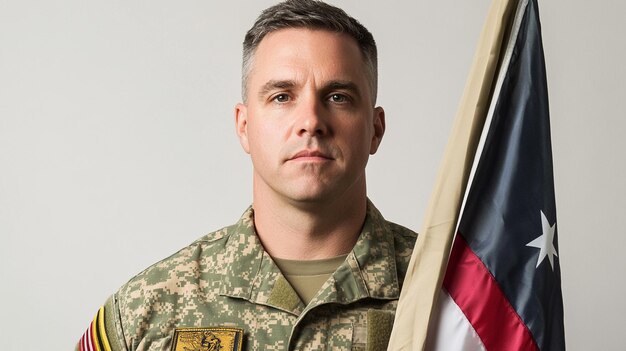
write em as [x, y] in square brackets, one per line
[290, 84]
[275, 84]
[343, 85]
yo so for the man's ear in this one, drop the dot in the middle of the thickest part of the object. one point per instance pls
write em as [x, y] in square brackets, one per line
[379, 129]
[241, 125]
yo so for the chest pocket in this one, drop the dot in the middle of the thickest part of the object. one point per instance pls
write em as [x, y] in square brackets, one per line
[374, 336]
[357, 330]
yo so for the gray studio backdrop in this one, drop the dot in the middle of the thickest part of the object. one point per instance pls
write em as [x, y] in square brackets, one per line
[117, 143]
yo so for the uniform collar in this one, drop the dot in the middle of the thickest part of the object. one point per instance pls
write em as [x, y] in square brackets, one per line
[250, 273]
[369, 270]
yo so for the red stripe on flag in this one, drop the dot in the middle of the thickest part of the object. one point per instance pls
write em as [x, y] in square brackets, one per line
[479, 296]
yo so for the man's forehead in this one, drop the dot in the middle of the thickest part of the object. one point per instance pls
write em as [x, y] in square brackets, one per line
[283, 55]
[319, 40]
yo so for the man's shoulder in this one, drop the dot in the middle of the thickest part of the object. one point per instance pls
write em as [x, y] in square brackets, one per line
[206, 254]
[404, 241]
[401, 232]
[200, 255]
[403, 237]
[172, 288]
[167, 288]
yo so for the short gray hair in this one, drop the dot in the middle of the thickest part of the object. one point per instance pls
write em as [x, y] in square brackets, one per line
[311, 14]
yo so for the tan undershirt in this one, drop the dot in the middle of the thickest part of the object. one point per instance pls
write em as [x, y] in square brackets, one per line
[307, 277]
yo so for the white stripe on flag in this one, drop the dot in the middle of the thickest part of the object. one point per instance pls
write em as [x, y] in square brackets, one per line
[450, 329]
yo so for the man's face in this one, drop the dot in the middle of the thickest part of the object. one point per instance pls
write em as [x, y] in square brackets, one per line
[309, 124]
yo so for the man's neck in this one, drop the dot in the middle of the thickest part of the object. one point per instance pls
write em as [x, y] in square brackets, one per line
[310, 231]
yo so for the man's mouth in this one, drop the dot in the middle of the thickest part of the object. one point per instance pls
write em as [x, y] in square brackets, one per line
[310, 155]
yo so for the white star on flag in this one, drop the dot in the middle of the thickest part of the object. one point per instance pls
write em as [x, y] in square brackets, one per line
[545, 243]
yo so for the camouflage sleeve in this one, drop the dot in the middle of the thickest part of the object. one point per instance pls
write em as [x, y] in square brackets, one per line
[104, 332]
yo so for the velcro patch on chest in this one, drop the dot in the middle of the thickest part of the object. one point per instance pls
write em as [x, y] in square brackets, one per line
[208, 339]
[379, 325]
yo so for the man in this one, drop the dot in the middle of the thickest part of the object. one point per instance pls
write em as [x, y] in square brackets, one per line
[311, 265]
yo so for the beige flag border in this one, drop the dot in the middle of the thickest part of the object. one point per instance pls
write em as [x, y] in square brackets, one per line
[430, 256]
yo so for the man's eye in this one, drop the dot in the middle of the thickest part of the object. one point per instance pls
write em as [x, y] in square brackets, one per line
[281, 98]
[338, 98]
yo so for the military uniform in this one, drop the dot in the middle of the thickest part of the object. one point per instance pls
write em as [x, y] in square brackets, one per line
[227, 280]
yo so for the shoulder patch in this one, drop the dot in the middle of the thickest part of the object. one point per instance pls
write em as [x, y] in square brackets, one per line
[95, 337]
[207, 339]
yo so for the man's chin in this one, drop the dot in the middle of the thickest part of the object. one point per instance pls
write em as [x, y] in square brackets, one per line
[317, 198]
[312, 197]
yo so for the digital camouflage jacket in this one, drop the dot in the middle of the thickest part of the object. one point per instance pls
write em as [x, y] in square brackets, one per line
[224, 292]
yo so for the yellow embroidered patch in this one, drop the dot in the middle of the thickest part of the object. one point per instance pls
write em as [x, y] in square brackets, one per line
[207, 339]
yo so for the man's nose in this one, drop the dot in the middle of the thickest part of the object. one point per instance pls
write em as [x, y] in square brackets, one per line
[311, 118]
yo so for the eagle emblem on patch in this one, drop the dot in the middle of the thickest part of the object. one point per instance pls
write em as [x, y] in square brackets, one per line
[208, 339]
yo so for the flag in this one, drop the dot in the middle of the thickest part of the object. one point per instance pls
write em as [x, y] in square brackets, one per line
[502, 287]
[427, 266]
